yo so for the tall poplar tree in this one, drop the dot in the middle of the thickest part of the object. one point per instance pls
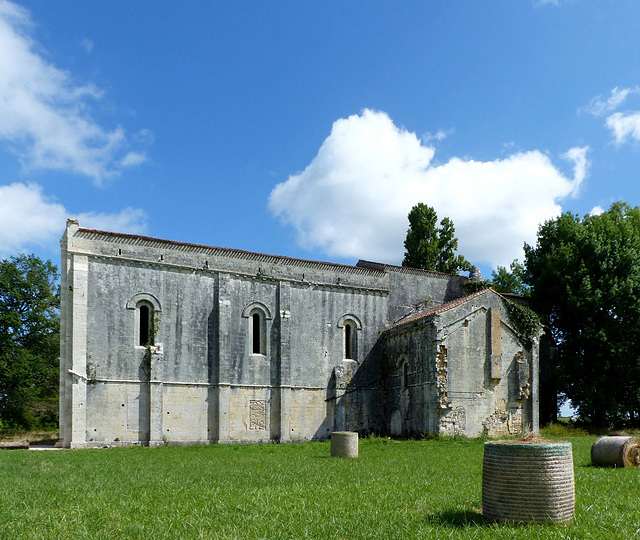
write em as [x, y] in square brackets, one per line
[429, 246]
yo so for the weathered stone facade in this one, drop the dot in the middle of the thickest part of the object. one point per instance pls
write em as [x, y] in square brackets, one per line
[460, 369]
[167, 342]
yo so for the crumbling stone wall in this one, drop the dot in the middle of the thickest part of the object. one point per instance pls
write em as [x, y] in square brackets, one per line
[479, 378]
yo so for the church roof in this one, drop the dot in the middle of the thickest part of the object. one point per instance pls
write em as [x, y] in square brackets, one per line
[148, 241]
[361, 267]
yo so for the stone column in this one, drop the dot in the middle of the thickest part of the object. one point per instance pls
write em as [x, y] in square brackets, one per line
[77, 343]
[224, 357]
[224, 405]
[156, 390]
[284, 359]
[496, 334]
[535, 385]
[65, 328]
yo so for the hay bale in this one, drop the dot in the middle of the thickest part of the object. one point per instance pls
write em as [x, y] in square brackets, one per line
[618, 451]
[344, 444]
[15, 445]
[528, 482]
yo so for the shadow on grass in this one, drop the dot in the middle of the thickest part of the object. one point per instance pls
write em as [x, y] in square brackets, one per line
[457, 518]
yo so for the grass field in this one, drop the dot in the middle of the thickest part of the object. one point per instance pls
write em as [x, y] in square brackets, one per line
[395, 489]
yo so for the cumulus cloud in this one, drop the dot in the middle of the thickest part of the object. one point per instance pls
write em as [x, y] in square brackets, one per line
[44, 112]
[352, 200]
[29, 218]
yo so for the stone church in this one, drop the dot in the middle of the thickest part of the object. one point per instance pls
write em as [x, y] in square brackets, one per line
[166, 342]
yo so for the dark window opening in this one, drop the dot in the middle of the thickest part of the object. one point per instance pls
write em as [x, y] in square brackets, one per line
[405, 375]
[257, 333]
[145, 326]
[348, 341]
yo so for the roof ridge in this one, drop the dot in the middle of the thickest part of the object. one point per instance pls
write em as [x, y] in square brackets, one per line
[230, 251]
[441, 308]
[363, 263]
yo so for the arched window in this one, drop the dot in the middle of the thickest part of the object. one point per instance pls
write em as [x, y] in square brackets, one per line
[257, 338]
[405, 375]
[147, 309]
[146, 331]
[258, 317]
[349, 340]
[350, 325]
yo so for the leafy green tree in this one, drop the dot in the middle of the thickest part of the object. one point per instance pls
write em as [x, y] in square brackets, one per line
[29, 342]
[585, 278]
[510, 281]
[430, 247]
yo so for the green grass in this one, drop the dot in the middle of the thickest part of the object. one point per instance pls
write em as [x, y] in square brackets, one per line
[395, 489]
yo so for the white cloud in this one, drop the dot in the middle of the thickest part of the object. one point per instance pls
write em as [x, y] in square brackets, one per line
[580, 166]
[599, 107]
[596, 211]
[131, 159]
[624, 126]
[44, 111]
[352, 200]
[440, 135]
[29, 218]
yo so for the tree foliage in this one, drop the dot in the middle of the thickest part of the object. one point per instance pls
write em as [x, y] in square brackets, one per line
[430, 247]
[510, 281]
[29, 342]
[585, 278]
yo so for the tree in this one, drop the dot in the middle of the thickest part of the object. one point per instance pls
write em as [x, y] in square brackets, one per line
[585, 278]
[29, 342]
[430, 247]
[510, 281]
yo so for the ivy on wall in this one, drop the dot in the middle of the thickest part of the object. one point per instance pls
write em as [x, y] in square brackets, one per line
[525, 322]
[471, 287]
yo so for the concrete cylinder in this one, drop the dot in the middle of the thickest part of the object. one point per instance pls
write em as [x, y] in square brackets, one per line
[528, 482]
[344, 444]
[618, 451]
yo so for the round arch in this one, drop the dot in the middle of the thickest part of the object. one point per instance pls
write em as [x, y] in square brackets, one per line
[246, 312]
[349, 317]
[146, 297]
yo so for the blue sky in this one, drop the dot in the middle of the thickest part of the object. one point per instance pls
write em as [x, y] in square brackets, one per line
[309, 129]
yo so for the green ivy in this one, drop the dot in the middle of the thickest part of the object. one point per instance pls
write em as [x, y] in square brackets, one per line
[525, 322]
[471, 287]
[154, 327]
[91, 373]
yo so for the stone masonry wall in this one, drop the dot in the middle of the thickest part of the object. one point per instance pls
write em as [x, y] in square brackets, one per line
[201, 381]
